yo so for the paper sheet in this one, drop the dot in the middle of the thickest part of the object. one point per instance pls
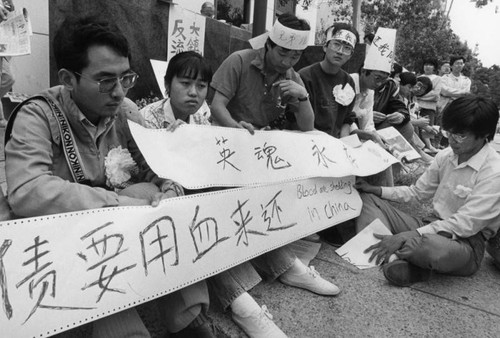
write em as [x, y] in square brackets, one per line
[352, 251]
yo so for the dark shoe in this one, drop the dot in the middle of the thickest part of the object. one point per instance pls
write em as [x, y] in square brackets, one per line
[201, 331]
[403, 273]
[493, 248]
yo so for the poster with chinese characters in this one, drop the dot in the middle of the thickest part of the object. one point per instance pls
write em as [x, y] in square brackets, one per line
[186, 31]
[65, 270]
[233, 157]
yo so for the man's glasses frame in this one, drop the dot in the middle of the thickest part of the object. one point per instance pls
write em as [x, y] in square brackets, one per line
[107, 84]
[341, 48]
[457, 137]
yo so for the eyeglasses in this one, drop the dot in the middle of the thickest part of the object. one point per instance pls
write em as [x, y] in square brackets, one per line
[341, 48]
[457, 137]
[107, 84]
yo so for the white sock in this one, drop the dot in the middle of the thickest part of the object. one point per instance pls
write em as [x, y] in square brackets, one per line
[298, 268]
[244, 305]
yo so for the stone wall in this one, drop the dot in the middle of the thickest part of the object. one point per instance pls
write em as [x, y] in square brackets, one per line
[145, 24]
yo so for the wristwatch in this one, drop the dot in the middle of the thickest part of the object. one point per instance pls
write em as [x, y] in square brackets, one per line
[304, 98]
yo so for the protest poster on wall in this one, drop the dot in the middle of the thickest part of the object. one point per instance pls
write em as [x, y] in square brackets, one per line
[65, 270]
[186, 31]
[234, 157]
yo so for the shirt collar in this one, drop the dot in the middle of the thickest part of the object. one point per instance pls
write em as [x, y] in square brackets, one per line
[259, 62]
[476, 161]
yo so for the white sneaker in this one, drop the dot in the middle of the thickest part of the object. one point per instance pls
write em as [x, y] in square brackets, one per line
[259, 324]
[312, 281]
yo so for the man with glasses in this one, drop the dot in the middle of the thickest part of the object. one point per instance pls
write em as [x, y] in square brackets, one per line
[330, 88]
[463, 182]
[57, 144]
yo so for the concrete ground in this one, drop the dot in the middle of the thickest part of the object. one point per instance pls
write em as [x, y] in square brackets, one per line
[367, 306]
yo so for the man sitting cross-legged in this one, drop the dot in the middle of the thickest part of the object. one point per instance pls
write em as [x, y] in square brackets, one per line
[463, 182]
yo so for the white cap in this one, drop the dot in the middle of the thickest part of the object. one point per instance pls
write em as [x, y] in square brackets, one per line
[380, 55]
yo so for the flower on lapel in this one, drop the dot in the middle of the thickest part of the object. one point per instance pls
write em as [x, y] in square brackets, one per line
[343, 96]
[462, 191]
[120, 166]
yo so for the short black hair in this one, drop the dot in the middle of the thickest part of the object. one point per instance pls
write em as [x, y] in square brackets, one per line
[291, 21]
[396, 69]
[455, 58]
[189, 65]
[76, 34]
[369, 37]
[432, 62]
[472, 113]
[408, 78]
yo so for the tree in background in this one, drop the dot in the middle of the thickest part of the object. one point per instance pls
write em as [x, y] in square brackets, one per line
[423, 31]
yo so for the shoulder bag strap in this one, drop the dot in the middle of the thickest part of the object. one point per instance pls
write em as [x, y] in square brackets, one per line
[70, 149]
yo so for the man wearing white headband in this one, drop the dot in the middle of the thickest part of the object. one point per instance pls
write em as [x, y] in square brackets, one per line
[253, 89]
[332, 95]
[254, 86]
[331, 89]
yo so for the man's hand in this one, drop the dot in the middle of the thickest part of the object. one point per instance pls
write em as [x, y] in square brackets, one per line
[388, 245]
[291, 88]
[362, 185]
[375, 137]
[378, 117]
[420, 122]
[159, 196]
[5, 7]
[395, 118]
[248, 126]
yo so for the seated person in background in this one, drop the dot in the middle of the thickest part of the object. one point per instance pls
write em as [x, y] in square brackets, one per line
[463, 182]
[406, 86]
[93, 58]
[365, 82]
[187, 79]
[389, 109]
[258, 88]
[331, 89]
[428, 102]
[423, 123]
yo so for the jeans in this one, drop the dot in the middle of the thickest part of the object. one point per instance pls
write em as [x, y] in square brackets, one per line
[230, 284]
[460, 257]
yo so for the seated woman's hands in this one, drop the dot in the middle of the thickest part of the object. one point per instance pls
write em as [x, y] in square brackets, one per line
[168, 189]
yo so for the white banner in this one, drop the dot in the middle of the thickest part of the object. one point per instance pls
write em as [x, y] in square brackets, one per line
[204, 156]
[65, 270]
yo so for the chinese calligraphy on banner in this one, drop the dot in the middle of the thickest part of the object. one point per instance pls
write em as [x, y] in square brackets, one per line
[186, 31]
[233, 157]
[65, 270]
